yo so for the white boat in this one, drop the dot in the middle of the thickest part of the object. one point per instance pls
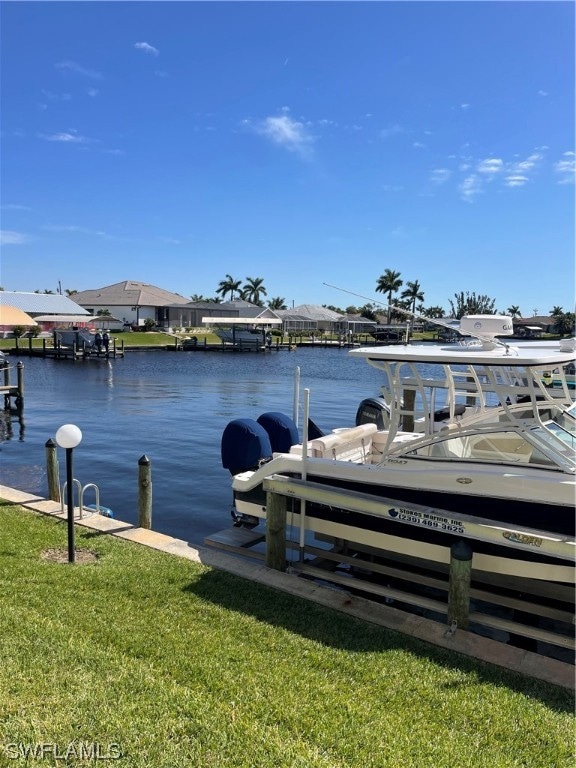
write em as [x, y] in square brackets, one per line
[240, 336]
[470, 442]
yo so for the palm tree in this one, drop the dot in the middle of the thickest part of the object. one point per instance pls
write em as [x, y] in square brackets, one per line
[277, 303]
[252, 288]
[389, 283]
[433, 312]
[228, 285]
[556, 311]
[412, 293]
[514, 311]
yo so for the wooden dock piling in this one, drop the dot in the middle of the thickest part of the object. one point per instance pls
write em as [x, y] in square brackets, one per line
[276, 531]
[52, 470]
[144, 492]
[9, 390]
[459, 584]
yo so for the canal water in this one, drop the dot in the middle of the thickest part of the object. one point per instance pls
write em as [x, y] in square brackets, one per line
[171, 407]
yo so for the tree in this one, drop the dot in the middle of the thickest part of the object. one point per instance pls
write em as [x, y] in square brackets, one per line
[433, 312]
[252, 288]
[368, 311]
[470, 304]
[514, 311]
[70, 291]
[104, 313]
[228, 285]
[277, 303]
[389, 283]
[556, 311]
[564, 323]
[413, 292]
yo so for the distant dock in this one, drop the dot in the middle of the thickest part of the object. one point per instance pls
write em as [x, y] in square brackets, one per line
[10, 391]
[61, 352]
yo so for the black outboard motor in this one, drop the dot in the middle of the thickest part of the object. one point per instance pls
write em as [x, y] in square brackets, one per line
[281, 430]
[245, 445]
[373, 410]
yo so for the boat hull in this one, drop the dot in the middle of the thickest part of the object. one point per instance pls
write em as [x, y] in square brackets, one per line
[422, 524]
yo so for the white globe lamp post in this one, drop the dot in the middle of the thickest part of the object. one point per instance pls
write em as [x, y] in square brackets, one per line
[69, 436]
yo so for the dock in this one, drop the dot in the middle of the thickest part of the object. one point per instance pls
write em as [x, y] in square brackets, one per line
[498, 618]
[11, 391]
[61, 352]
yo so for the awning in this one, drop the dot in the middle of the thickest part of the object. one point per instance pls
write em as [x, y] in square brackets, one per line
[75, 319]
[14, 316]
[241, 321]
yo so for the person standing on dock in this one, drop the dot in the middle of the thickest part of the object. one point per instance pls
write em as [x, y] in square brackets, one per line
[98, 342]
[106, 341]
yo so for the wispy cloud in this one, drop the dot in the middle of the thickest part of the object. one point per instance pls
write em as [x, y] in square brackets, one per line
[566, 168]
[92, 92]
[528, 165]
[15, 207]
[470, 188]
[285, 132]
[490, 166]
[72, 66]
[440, 176]
[68, 137]
[147, 48]
[73, 228]
[9, 237]
[481, 173]
[516, 181]
[56, 96]
[391, 130]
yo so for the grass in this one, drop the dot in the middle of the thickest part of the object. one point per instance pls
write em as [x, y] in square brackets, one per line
[173, 664]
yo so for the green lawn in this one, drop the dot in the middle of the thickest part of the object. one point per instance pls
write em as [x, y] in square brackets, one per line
[173, 664]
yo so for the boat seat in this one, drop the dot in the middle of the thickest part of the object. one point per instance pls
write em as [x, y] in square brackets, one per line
[352, 444]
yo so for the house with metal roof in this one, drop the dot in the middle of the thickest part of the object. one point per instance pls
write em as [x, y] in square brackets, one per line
[311, 318]
[35, 304]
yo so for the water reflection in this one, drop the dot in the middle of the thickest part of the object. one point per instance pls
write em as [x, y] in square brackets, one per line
[9, 417]
[173, 408]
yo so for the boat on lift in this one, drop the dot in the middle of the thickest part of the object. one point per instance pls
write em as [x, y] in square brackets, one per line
[467, 440]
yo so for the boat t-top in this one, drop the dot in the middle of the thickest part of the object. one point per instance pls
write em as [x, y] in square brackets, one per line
[470, 440]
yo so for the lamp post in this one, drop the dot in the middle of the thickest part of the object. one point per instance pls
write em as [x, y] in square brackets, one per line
[69, 436]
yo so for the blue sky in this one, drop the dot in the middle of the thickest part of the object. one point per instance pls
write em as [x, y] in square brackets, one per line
[299, 142]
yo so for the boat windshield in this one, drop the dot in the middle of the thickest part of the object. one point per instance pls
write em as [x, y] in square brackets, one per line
[566, 420]
[559, 440]
[538, 445]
